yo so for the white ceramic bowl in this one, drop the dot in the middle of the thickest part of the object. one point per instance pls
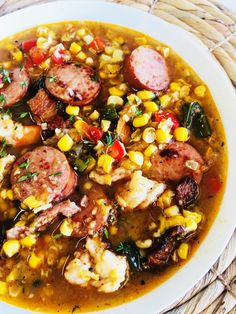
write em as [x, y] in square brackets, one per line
[198, 56]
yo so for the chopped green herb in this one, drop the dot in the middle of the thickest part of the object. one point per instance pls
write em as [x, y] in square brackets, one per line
[109, 112]
[52, 79]
[2, 99]
[57, 236]
[138, 111]
[5, 75]
[24, 84]
[129, 249]
[60, 105]
[21, 66]
[110, 138]
[55, 174]
[82, 164]
[120, 247]
[95, 77]
[71, 118]
[3, 153]
[106, 233]
[27, 176]
[22, 115]
[25, 164]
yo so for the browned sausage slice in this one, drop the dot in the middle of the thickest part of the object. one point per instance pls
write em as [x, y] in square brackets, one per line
[16, 90]
[48, 176]
[75, 84]
[145, 68]
[171, 164]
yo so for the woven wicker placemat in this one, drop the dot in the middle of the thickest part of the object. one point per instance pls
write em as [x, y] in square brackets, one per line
[215, 26]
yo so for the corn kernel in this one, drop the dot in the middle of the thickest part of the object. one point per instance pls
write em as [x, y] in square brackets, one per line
[89, 61]
[144, 244]
[175, 221]
[116, 100]
[162, 136]
[3, 287]
[117, 55]
[13, 275]
[149, 135]
[91, 164]
[103, 75]
[6, 64]
[175, 87]
[105, 161]
[105, 125]
[150, 150]
[11, 247]
[75, 48]
[94, 115]
[183, 250]
[113, 230]
[136, 157]
[81, 32]
[20, 223]
[181, 134]
[141, 120]
[42, 31]
[88, 185]
[146, 165]
[80, 125]
[190, 224]
[45, 64]
[28, 241]
[193, 215]
[150, 106]
[200, 91]
[35, 261]
[165, 100]
[66, 228]
[109, 50]
[107, 179]
[172, 211]
[115, 91]
[120, 40]
[10, 195]
[145, 95]
[32, 202]
[17, 55]
[81, 56]
[141, 40]
[128, 164]
[72, 110]
[41, 42]
[152, 226]
[65, 143]
[165, 199]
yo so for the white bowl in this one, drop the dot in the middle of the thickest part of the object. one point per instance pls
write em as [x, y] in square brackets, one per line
[198, 56]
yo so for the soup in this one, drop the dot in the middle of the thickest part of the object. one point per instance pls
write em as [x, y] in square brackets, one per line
[112, 165]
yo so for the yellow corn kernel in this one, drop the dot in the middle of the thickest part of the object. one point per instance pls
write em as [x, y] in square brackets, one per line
[141, 40]
[88, 185]
[10, 195]
[32, 202]
[89, 61]
[181, 134]
[72, 110]
[149, 135]
[115, 100]
[81, 56]
[165, 100]
[183, 250]
[117, 55]
[117, 80]
[200, 91]
[120, 40]
[128, 164]
[105, 125]
[162, 136]
[94, 115]
[28, 241]
[162, 226]
[66, 228]
[91, 164]
[45, 64]
[75, 48]
[17, 55]
[136, 157]
[193, 215]
[107, 164]
[65, 143]
[42, 42]
[107, 179]
[150, 106]
[103, 75]
[9, 46]
[6, 64]
[11, 247]
[145, 95]
[13, 275]
[140, 121]
[165, 199]
[42, 31]
[145, 244]
[190, 224]
[20, 223]
[113, 230]
[146, 165]
[184, 91]
[152, 226]
[150, 150]
[35, 261]
[172, 211]
[115, 91]
[175, 87]
[80, 125]
[175, 221]
[3, 287]
[81, 32]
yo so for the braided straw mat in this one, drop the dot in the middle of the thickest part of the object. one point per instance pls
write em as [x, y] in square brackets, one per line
[215, 26]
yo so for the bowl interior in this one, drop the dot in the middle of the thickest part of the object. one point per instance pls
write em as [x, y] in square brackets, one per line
[200, 59]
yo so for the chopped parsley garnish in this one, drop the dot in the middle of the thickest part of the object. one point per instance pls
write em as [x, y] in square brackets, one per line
[57, 236]
[25, 164]
[55, 174]
[120, 247]
[110, 139]
[71, 118]
[5, 75]
[24, 84]
[21, 66]
[3, 153]
[106, 233]
[2, 99]
[52, 79]
[27, 176]
[138, 111]
[22, 115]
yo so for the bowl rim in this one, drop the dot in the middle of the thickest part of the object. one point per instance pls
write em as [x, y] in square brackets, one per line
[221, 88]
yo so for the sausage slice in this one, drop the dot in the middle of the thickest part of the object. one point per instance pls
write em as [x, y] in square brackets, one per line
[187, 191]
[171, 163]
[74, 83]
[48, 176]
[145, 68]
[16, 90]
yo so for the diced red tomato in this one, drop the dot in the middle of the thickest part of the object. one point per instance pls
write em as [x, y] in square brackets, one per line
[28, 62]
[214, 184]
[160, 115]
[28, 44]
[98, 44]
[116, 150]
[58, 57]
[94, 134]
[37, 55]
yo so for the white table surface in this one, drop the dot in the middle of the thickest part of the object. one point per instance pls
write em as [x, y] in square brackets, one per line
[231, 4]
